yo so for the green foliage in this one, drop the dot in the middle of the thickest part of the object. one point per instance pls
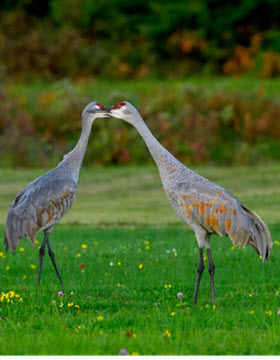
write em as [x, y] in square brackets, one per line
[136, 39]
[114, 215]
[39, 123]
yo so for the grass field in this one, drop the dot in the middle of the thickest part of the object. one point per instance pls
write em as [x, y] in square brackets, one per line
[121, 216]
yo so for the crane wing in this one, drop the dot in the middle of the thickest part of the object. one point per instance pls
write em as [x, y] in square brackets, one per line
[208, 206]
[217, 211]
[40, 205]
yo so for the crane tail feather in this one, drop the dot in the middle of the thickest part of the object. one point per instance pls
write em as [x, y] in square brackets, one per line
[13, 232]
[260, 238]
[255, 233]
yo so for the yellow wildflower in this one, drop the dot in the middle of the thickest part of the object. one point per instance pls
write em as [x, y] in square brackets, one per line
[135, 354]
[71, 293]
[269, 312]
[147, 247]
[77, 306]
[24, 277]
[147, 242]
[173, 313]
[95, 243]
[100, 318]
[175, 254]
[33, 266]
[21, 249]
[78, 255]
[118, 285]
[84, 246]
[100, 332]
[252, 312]
[20, 300]
[167, 333]
[140, 266]
[260, 257]
[232, 248]
[70, 304]
[2, 255]
[119, 263]
[8, 267]
[276, 242]
[214, 307]
[36, 242]
[205, 258]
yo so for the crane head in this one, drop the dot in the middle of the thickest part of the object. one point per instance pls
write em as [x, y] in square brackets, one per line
[122, 110]
[90, 108]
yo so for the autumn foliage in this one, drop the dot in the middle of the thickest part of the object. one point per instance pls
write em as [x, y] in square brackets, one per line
[224, 128]
[138, 39]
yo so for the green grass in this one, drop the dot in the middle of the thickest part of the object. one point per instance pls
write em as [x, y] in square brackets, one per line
[118, 211]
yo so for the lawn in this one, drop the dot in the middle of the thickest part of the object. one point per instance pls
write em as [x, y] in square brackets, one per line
[121, 219]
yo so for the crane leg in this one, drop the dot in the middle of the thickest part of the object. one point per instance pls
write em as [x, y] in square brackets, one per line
[199, 274]
[41, 256]
[211, 269]
[51, 254]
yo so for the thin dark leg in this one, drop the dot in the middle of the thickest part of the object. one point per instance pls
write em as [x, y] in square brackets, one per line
[41, 256]
[199, 274]
[211, 269]
[51, 253]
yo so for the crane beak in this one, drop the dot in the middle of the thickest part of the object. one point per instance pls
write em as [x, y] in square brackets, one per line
[106, 110]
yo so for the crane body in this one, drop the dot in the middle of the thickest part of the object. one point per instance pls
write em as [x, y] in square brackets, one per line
[206, 207]
[47, 199]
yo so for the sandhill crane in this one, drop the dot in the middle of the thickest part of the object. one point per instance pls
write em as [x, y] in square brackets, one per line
[47, 199]
[206, 207]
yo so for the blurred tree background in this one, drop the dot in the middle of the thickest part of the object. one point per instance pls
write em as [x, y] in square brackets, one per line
[57, 55]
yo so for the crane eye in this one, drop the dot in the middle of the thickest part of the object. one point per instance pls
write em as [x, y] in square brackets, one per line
[119, 105]
[99, 105]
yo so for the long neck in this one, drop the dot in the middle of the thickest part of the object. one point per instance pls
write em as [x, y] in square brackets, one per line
[167, 164]
[72, 161]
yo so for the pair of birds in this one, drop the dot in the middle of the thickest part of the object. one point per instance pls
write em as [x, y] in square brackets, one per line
[206, 207]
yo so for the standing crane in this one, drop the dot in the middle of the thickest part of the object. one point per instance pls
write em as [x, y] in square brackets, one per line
[47, 199]
[206, 207]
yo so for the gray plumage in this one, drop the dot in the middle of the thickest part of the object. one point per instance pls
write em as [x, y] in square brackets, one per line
[39, 206]
[47, 199]
[206, 207]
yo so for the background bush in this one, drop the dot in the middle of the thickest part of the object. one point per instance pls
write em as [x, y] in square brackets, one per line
[196, 124]
[56, 54]
[136, 39]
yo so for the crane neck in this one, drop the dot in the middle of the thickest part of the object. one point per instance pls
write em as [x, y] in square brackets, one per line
[72, 161]
[162, 157]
